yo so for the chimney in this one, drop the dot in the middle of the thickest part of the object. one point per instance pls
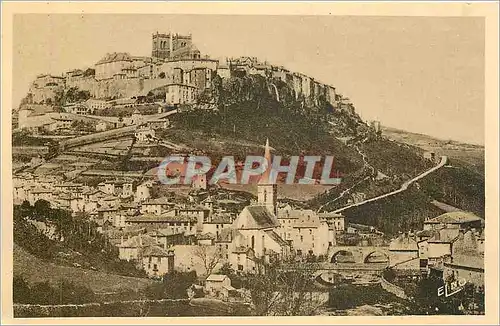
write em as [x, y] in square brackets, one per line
[140, 240]
[165, 243]
[121, 240]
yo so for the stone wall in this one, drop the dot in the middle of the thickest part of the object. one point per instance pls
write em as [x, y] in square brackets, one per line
[137, 308]
[392, 288]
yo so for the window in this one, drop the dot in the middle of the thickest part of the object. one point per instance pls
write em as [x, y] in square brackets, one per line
[301, 238]
[310, 231]
[155, 267]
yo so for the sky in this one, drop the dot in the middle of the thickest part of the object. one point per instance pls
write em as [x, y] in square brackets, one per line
[420, 74]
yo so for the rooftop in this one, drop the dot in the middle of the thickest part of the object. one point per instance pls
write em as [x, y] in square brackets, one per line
[458, 217]
[216, 278]
[262, 216]
[115, 56]
[155, 251]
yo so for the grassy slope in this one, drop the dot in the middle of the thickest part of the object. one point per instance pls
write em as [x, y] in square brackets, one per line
[36, 270]
[472, 155]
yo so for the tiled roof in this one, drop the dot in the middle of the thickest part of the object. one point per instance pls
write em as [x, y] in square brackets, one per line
[206, 236]
[155, 251]
[220, 219]
[445, 207]
[216, 278]
[149, 218]
[240, 250]
[115, 56]
[442, 237]
[135, 242]
[279, 240]
[40, 191]
[454, 218]
[158, 201]
[262, 216]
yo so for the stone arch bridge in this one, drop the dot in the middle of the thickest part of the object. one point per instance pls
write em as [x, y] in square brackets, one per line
[359, 255]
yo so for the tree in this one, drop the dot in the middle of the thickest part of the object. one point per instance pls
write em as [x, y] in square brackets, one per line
[162, 75]
[285, 292]
[209, 255]
[26, 209]
[173, 286]
[41, 209]
[89, 72]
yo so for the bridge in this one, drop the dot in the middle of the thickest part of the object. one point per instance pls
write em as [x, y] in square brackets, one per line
[359, 255]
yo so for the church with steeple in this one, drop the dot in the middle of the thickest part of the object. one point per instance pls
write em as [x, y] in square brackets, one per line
[257, 223]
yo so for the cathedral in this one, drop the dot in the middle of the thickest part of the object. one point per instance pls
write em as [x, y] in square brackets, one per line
[174, 46]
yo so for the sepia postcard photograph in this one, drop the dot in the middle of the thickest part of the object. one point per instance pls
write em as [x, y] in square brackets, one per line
[178, 160]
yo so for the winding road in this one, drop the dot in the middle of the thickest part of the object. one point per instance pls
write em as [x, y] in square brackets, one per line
[404, 186]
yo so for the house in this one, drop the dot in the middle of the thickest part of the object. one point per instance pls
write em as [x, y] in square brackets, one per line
[430, 156]
[454, 220]
[144, 134]
[156, 206]
[200, 212]
[216, 223]
[157, 261]
[404, 249]
[168, 220]
[304, 229]
[107, 213]
[39, 193]
[132, 249]
[158, 123]
[77, 204]
[101, 126]
[96, 104]
[225, 242]
[142, 192]
[218, 286]
[242, 260]
[177, 93]
[310, 234]
[79, 109]
[107, 187]
[335, 220]
[467, 260]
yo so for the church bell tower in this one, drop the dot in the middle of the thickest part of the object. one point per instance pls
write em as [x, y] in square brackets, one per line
[267, 192]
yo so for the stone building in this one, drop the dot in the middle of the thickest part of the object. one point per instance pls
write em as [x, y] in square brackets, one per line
[180, 94]
[171, 46]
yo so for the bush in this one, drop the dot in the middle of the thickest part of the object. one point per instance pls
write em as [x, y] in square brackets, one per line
[44, 293]
[173, 286]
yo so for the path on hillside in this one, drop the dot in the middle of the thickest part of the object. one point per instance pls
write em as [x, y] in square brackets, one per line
[404, 186]
[108, 134]
[348, 190]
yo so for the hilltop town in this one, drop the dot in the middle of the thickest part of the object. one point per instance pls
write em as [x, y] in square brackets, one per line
[86, 150]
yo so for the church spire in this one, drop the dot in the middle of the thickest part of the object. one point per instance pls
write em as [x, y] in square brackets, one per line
[264, 179]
